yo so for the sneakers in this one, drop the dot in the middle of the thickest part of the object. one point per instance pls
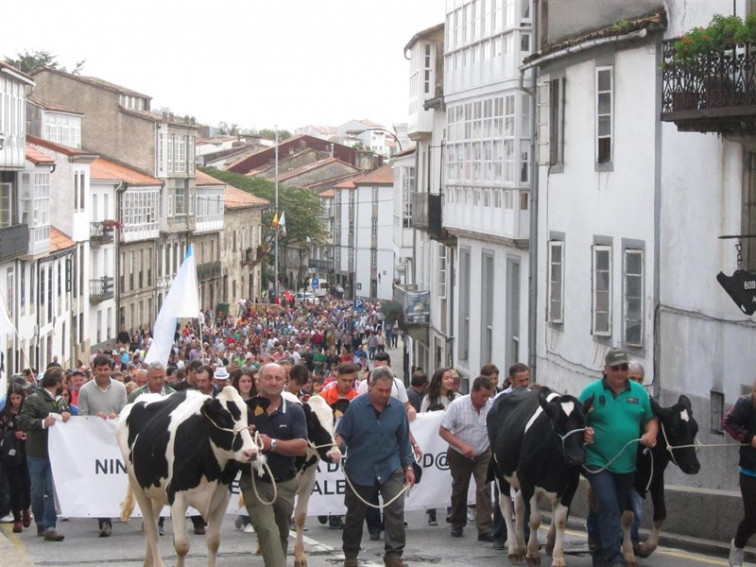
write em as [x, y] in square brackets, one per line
[394, 561]
[375, 536]
[736, 555]
[485, 536]
[26, 518]
[199, 530]
[105, 529]
[52, 535]
[457, 532]
[17, 529]
[238, 523]
[40, 530]
[351, 561]
[249, 529]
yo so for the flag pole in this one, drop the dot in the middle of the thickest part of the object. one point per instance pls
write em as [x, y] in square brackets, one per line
[275, 274]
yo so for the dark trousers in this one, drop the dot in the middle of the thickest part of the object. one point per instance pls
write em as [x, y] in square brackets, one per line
[462, 469]
[611, 491]
[393, 515]
[19, 487]
[747, 526]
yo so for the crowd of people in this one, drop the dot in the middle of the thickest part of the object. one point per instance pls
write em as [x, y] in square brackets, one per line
[332, 350]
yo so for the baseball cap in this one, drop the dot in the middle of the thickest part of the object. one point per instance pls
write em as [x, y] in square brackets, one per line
[616, 356]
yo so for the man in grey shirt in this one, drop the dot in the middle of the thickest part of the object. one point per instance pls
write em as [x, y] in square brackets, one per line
[105, 398]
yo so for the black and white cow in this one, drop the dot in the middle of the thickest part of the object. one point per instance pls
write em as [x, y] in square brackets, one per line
[537, 446]
[321, 445]
[677, 428]
[183, 450]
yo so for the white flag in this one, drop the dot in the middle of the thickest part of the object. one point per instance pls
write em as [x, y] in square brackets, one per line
[182, 301]
[282, 223]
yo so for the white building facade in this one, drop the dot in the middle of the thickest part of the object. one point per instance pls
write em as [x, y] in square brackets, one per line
[487, 179]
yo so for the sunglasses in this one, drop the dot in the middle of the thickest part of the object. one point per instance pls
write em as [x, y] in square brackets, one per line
[617, 367]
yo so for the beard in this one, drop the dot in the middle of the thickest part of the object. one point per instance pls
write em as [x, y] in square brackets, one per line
[59, 390]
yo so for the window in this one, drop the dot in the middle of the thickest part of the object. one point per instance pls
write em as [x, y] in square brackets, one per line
[171, 139]
[374, 227]
[10, 299]
[373, 258]
[604, 102]
[464, 311]
[408, 185]
[180, 166]
[6, 204]
[556, 282]
[556, 122]
[442, 258]
[602, 290]
[427, 70]
[487, 308]
[632, 312]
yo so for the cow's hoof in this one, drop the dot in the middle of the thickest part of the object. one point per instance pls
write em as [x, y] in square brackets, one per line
[533, 560]
[645, 550]
[558, 563]
[516, 557]
[300, 562]
[549, 548]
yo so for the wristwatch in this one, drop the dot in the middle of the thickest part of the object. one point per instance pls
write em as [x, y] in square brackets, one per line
[273, 443]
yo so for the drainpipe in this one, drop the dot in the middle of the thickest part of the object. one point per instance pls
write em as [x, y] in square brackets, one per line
[119, 191]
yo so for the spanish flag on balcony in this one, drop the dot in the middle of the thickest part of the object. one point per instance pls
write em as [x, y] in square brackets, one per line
[275, 220]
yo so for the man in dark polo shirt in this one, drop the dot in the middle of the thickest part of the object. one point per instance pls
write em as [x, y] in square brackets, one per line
[283, 431]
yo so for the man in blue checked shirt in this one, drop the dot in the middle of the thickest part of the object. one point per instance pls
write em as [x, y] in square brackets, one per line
[379, 459]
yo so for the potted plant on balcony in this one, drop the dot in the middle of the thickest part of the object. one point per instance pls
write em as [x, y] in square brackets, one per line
[111, 224]
[700, 52]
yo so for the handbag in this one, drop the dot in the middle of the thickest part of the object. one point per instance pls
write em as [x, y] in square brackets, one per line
[11, 451]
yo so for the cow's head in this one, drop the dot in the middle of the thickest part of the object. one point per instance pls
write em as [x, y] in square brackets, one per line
[677, 428]
[320, 428]
[567, 416]
[229, 433]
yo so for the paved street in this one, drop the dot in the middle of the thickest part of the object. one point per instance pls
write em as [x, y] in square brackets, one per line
[426, 546]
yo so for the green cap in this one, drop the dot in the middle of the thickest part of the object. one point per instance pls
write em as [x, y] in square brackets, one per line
[615, 357]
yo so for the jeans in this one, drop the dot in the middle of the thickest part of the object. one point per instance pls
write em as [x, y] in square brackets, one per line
[611, 491]
[42, 492]
[636, 505]
[393, 515]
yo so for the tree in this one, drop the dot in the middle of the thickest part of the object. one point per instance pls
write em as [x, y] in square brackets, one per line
[28, 62]
[225, 130]
[304, 210]
[271, 134]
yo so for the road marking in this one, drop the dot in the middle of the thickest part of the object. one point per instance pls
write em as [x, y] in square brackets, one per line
[328, 549]
[672, 553]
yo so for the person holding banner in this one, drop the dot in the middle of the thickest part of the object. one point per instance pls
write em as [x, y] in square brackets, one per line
[37, 415]
[379, 459]
[105, 398]
[464, 428]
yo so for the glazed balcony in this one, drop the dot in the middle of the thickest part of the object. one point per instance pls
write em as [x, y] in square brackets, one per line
[101, 289]
[713, 93]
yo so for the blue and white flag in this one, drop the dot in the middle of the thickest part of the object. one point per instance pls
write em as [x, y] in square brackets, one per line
[182, 301]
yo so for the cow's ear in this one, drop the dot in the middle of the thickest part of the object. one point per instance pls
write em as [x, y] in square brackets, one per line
[339, 407]
[543, 401]
[257, 405]
[212, 408]
[588, 403]
[685, 402]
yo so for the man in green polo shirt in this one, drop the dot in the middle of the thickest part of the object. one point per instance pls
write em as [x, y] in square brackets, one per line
[620, 407]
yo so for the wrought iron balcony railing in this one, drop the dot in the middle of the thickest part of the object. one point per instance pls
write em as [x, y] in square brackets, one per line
[100, 289]
[209, 270]
[715, 92]
[14, 241]
[101, 231]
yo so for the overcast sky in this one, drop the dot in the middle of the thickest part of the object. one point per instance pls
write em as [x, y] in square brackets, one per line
[255, 63]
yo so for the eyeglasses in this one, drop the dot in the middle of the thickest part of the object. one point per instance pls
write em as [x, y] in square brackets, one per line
[618, 367]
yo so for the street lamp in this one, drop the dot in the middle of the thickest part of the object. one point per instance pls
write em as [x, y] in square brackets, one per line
[389, 132]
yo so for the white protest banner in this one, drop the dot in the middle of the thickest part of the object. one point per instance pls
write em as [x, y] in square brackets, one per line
[91, 479]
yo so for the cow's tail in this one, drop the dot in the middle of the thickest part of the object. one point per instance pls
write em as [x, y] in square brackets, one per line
[127, 506]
